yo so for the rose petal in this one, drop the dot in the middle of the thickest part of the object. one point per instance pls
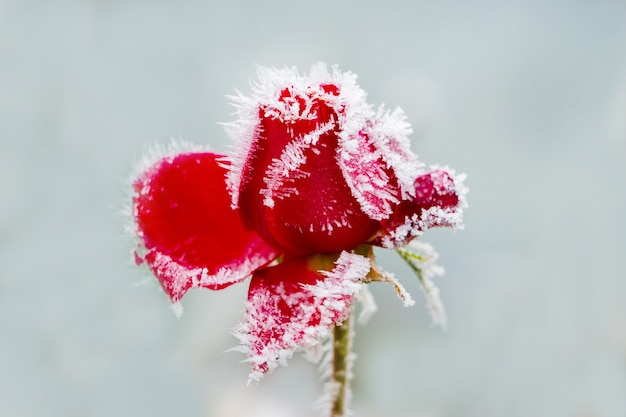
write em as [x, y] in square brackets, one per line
[439, 201]
[292, 190]
[378, 164]
[189, 234]
[295, 304]
[370, 179]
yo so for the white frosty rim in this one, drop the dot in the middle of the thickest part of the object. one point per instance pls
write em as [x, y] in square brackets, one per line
[178, 276]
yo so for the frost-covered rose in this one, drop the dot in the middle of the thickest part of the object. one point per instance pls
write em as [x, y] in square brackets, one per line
[316, 178]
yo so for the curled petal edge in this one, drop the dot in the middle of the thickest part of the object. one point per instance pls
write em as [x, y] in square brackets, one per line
[177, 279]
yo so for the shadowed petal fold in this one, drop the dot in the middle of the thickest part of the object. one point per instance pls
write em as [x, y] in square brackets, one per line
[295, 304]
[189, 236]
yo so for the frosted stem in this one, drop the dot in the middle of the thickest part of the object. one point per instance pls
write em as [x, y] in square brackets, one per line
[342, 358]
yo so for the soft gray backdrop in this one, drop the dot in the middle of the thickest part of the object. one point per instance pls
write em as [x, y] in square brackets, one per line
[529, 99]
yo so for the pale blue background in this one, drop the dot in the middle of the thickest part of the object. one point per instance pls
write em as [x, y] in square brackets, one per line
[528, 98]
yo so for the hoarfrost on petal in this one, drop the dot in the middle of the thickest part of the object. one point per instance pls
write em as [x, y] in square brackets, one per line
[291, 307]
[285, 177]
[449, 196]
[371, 182]
[378, 163]
[439, 200]
[245, 130]
[176, 279]
[288, 167]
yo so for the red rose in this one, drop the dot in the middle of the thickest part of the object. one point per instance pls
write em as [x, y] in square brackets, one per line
[316, 177]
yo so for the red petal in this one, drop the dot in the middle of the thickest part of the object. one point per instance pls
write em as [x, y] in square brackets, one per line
[191, 236]
[293, 191]
[439, 201]
[295, 304]
[378, 164]
[369, 177]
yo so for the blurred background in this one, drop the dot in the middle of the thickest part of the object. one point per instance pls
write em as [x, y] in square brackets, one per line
[528, 98]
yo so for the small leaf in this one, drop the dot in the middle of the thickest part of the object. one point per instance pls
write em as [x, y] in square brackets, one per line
[422, 258]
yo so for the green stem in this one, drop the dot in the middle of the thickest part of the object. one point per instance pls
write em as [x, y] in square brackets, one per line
[342, 346]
